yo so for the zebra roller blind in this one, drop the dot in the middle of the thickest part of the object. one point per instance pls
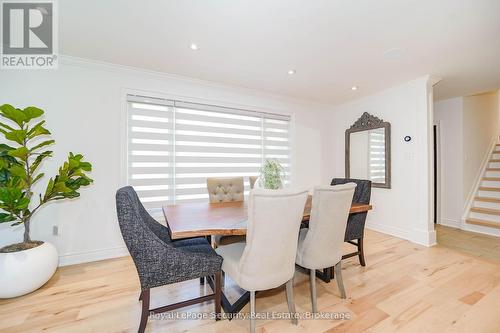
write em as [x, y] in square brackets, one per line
[173, 146]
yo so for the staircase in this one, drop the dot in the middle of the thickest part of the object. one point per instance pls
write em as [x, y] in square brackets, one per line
[485, 210]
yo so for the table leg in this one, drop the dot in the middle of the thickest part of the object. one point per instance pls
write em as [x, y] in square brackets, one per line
[231, 309]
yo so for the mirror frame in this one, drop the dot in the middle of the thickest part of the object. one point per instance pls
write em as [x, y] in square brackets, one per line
[364, 123]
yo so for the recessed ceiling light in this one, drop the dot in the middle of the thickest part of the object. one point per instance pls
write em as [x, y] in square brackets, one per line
[291, 72]
[194, 46]
[354, 88]
[394, 53]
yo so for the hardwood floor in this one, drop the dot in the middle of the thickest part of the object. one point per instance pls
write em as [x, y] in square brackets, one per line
[471, 243]
[403, 288]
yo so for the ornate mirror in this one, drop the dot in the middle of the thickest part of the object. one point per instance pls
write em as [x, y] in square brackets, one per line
[368, 150]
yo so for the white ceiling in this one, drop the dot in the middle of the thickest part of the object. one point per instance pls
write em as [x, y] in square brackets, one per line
[332, 44]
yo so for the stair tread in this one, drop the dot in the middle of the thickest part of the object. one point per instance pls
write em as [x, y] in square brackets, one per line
[487, 199]
[492, 169]
[492, 189]
[482, 210]
[492, 179]
[495, 160]
[484, 223]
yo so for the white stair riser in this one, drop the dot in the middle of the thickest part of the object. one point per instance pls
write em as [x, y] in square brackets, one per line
[485, 204]
[494, 165]
[490, 183]
[492, 174]
[489, 194]
[486, 217]
[495, 156]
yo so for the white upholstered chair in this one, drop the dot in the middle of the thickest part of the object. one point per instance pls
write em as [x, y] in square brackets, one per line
[320, 246]
[267, 259]
[225, 189]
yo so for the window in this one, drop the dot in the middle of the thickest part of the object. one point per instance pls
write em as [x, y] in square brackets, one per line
[173, 146]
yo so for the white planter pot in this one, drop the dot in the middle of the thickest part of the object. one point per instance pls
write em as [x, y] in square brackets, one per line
[25, 271]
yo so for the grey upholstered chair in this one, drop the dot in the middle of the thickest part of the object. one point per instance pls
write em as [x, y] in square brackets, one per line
[267, 259]
[225, 189]
[320, 246]
[354, 233]
[159, 260]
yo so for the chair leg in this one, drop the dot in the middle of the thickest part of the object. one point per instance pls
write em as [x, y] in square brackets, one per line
[289, 299]
[338, 278]
[252, 312]
[312, 277]
[361, 252]
[327, 274]
[218, 293]
[145, 310]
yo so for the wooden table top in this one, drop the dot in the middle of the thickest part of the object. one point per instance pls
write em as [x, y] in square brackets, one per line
[227, 218]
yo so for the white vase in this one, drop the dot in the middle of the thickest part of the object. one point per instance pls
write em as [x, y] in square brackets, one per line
[25, 271]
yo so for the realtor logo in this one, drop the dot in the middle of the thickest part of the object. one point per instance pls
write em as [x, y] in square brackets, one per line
[28, 35]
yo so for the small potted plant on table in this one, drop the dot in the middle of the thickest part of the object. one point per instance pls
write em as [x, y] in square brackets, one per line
[26, 266]
[271, 175]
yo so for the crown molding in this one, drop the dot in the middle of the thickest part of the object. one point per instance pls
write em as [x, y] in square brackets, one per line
[100, 65]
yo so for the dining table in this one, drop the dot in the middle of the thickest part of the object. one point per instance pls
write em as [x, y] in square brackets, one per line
[204, 219]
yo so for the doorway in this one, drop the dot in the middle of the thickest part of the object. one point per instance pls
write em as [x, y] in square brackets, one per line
[436, 173]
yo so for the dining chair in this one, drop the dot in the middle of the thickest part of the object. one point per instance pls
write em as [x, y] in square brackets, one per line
[159, 260]
[355, 230]
[267, 259]
[320, 246]
[252, 180]
[226, 190]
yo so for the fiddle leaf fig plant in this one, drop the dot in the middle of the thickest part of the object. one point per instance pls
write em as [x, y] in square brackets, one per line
[21, 156]
[271, 175]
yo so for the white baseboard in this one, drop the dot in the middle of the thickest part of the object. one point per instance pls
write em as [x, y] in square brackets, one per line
[397, 232]
[424, 237]
[450, 223]
[421, 237]
[96, 255]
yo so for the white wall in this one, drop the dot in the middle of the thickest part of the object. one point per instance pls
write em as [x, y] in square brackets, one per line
[480, 127]
[84, 104]
[404, 210]
[448, 116]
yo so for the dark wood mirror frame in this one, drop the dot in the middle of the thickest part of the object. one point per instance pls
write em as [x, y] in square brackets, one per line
[364, 123]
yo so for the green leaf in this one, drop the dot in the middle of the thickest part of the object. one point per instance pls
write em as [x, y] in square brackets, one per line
[21, 152]
[6, 126]
[37, 177]
[39, 160]
[16, 115]
[43, 144]
[22, 203]
[6, 218]
[38, 130]
[32, 112]
[69, 180]
[18, 136]
[18, 171]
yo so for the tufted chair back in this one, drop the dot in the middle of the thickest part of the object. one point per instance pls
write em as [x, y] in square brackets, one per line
[225, 189]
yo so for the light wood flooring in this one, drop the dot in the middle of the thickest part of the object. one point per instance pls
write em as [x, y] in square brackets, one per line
[404, 288]
[479, 245]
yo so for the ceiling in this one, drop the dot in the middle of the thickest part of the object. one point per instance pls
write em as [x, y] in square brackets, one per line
[331, 44]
